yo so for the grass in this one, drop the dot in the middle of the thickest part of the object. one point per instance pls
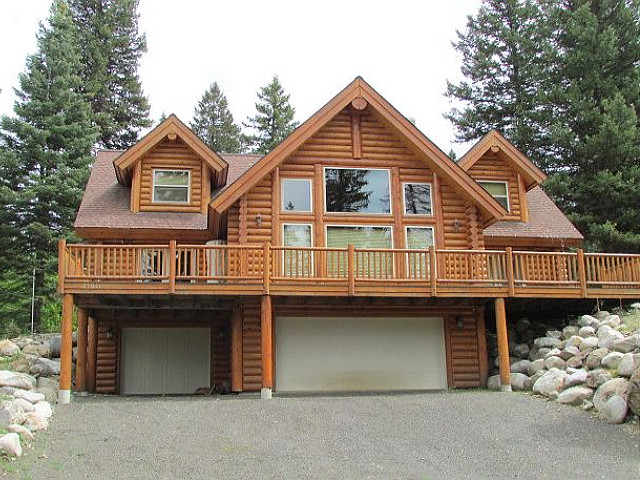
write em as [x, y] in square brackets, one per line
[630, 322]
[6, 362]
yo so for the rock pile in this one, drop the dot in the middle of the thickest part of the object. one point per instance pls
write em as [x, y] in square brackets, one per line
[593, 361]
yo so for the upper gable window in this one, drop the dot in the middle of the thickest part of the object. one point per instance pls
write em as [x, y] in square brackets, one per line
[296, 195]
[498, 190]
[171, 186]
[417, 199]
[357, 190]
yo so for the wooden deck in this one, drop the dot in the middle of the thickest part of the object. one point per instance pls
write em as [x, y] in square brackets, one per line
[300, 271]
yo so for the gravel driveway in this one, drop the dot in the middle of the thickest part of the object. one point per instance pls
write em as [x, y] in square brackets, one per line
[462, 435]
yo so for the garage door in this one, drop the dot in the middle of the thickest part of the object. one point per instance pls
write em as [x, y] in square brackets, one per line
[165, 360]
[356, 354]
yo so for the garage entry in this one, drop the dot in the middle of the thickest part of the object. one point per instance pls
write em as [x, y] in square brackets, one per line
[359, 354]
[165, 360]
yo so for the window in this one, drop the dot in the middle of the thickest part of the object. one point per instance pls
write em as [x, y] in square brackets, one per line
[497, 190]
[296, 195]
[417, 199]
[418, 238]
[367, 264]
[171, 186]
[297, 263]
[359, 236]
[357, 190]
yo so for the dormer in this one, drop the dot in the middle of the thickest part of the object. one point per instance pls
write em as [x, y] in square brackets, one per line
[170, 170]
[504, 172]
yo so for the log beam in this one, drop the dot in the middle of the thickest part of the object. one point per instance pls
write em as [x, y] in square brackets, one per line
[81, 357]
[503, 345]
[66, 347]
[92, 352]
[267, 346]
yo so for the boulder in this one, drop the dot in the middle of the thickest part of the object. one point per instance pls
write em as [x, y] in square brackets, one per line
[587, 331]
[539, 353]
[611, 360]
[534, 378]
[611, 320]
[588, 321]
[554, 334]
[569, 352]
[626, 345]
[574, 362]
[521, 350]
[54, 345]
[536, 366]
[577, 378]
[520, 381]
[574, 395]
[617, 386]
[10, 413]
[35, 421]
[22, 341]
[569, 331]
[554, 352]
[598, 377]
[595, 358]
[547, 342]
[17, 380]
[633, 392]
[607, 336]
[8, 348]
[522, 325]
[589, 343]
[521, 366]
[44, 367]
[628, 364]
[574, 341]
[29, 396]
[601, 315]
[44, 409]
[25, 433]
[48, 382]
[493, 383]
[23, 405]
[38, 349]
[614, 409]
[554, 362]
[550, 383]
[10, 444]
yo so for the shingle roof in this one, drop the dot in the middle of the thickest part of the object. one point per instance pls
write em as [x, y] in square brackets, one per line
[546, 221]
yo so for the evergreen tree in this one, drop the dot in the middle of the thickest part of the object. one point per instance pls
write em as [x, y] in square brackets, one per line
[504, 65]
[111, 48]
[213, 122]
[274, 120]
[45, 153]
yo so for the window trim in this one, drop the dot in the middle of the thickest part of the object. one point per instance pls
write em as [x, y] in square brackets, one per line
[154, 185]
[363, 225]
[294, 212]
[404, 199]
[324, 190]
[480, 181]
[312, 253]
[406, 234]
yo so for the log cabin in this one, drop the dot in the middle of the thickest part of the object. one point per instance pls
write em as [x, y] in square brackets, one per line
[355, 256]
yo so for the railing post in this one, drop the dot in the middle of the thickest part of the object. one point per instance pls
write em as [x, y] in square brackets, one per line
[172, 266]
[351, 257]
[62, 263]
[266, 268]
[582, 273]
[433, 271]
[510, 277]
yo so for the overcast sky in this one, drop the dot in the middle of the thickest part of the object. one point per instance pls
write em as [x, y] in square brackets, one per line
[402, 48]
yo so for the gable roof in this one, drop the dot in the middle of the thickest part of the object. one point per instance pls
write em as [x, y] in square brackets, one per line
[172, 126]
[493, 140]
[423, 147]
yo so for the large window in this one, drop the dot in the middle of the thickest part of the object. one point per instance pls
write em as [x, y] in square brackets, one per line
[417, 199]
[367, 264]
[297, 263]
[418, 238]
[357, 190]
[339, 236]
[171, 186]
[498, 190]
[296, 195]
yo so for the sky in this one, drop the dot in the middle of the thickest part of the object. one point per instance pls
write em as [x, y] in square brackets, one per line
[402, 48]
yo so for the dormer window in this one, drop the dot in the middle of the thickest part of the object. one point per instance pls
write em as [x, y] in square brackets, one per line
[171, 186]
[498, 190]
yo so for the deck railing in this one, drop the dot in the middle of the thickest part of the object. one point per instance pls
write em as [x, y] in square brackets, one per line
[256, 269]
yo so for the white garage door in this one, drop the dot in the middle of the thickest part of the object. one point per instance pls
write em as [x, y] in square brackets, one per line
[355, 354]
[165, 360]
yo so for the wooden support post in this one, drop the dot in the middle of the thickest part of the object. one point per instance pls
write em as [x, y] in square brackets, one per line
[483, 358]
[351, 274]
[433, 271]
[62, 263]
[582, 273]
[267, 346]
[92, 353]
[503, 345]
[66, 347]
[172, 266]
[236, 350]
[510, 279]
[266, 268]
[81, 356]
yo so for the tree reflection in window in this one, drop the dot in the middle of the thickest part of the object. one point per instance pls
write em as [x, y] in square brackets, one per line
[417, 198]
[355, 190]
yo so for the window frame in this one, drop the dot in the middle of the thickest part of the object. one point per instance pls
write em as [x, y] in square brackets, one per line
[311, 253]
[506, 187]
[404, 199]
[324, 190]
[328, 225]
[406, 234]
[154, 185]
[408, 257]
[293, 212]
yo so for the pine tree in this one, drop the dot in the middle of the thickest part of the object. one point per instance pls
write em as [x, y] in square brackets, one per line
[45, 153]
[504, 65]
[274, 120]
[213, 122]
[111, 47]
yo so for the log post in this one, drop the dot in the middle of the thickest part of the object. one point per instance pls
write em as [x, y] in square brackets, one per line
[81, 357]
[582, 273]
[236, 350]
[172, 266]
[503, 345]
[433, 271]
[351, 275]
[267, 346]
[62, 263]
[66, 347]
[92, 353]
[266, 268]
[511, 283]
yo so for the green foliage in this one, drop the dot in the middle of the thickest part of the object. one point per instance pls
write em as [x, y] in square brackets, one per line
[213, 122]
[274, 119]
[111, 47]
